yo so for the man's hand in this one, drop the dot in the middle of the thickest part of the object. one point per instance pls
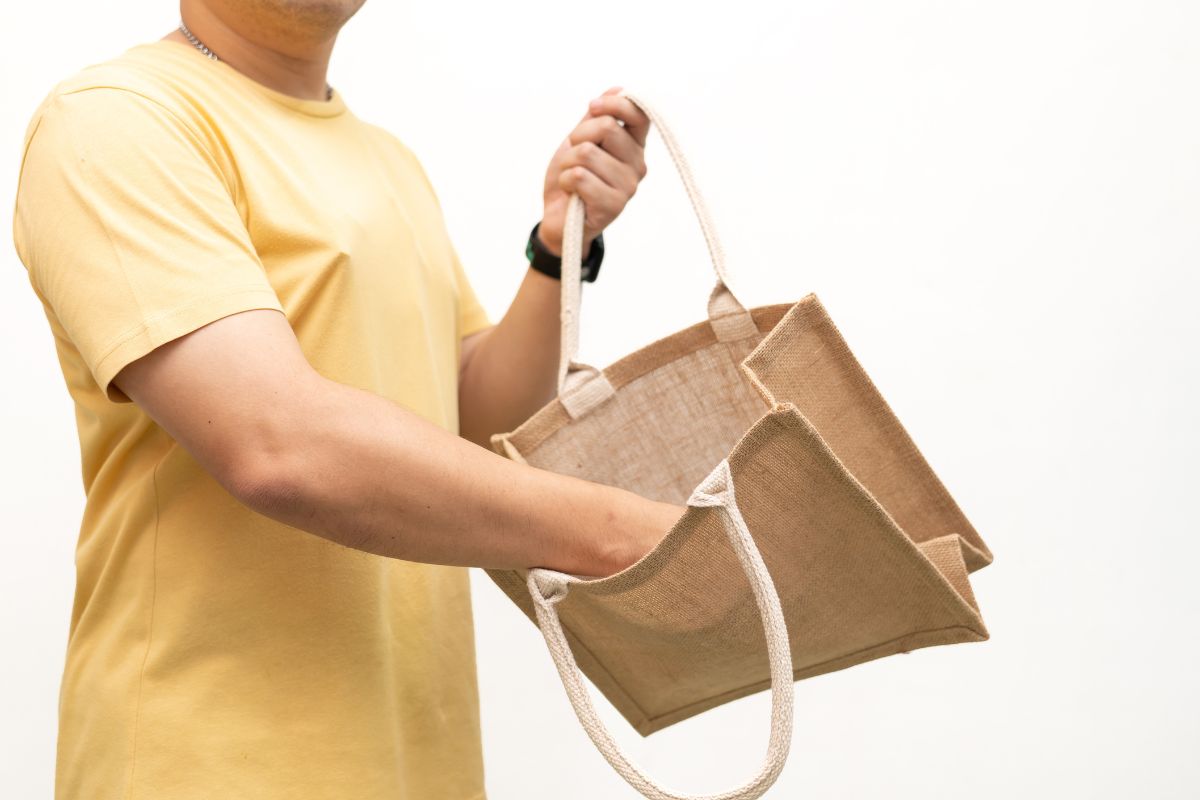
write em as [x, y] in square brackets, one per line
[602, 161]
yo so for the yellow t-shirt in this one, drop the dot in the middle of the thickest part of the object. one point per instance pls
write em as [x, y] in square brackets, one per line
[216, 653]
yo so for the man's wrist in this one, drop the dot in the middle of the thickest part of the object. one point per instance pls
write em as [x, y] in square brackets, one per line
[545, 254]
[554, 243]
[551, 243]
[630, 527]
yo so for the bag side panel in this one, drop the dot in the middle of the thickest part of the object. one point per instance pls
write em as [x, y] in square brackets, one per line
[806, 362]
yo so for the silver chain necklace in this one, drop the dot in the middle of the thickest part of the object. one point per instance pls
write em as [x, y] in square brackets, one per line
[203, 48]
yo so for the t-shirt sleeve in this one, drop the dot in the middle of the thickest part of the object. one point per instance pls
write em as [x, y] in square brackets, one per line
[129, 229]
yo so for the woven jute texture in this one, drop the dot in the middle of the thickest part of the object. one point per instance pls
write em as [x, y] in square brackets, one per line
[864, 548]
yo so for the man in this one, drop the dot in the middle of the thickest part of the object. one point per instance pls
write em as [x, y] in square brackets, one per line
[265, 328]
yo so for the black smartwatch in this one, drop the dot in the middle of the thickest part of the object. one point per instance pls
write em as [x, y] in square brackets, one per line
[547, 263]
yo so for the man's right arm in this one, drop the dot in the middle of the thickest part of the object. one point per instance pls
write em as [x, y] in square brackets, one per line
[361, 471]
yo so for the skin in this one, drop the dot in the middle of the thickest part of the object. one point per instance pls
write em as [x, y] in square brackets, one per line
[354, 467]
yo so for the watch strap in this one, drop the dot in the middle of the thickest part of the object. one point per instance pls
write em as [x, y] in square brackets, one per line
[545, 262]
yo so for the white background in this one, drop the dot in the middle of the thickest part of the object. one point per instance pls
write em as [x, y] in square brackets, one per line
[999, 205]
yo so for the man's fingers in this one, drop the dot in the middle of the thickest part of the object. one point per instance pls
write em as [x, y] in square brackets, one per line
[603, 159]
[602, 201]
[622, 108]
[600, 129]
[616, 173]
[614, 138]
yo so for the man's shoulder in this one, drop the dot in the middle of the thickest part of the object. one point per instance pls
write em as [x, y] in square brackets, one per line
[134, 93]
[139, 71]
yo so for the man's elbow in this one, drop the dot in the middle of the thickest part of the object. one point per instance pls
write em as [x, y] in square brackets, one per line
[266, 482]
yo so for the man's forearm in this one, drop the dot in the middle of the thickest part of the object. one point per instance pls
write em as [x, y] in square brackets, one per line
[359, 470]
[513, 369]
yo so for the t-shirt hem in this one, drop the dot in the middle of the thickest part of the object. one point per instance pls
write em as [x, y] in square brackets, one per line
[161, 328]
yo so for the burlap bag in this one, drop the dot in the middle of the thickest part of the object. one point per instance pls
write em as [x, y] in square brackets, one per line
[839, 538]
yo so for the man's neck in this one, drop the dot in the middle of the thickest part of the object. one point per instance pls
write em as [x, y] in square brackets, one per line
[292, 67]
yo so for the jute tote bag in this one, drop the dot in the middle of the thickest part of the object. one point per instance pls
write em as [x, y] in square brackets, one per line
[815, 537]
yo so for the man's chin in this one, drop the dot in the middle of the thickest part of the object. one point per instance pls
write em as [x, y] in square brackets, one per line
[294, 20]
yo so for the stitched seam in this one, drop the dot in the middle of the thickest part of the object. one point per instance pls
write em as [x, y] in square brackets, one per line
[137, 709]
[884, 645]
[147, 322]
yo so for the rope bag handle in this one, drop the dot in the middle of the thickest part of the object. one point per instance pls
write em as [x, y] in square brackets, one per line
[548, 588]
[730, 319]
